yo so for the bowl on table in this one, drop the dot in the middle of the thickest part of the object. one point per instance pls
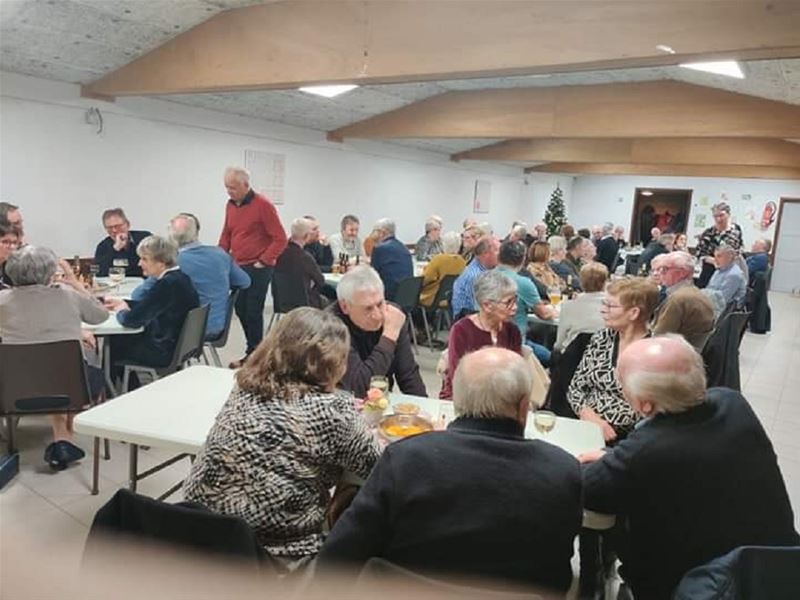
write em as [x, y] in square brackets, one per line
[396, 427]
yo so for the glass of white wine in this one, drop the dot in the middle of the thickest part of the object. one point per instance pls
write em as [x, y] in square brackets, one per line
[544, 421]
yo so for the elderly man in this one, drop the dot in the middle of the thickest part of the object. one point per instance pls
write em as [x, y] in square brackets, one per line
[211, 269]
[539, 233]
[475, 500]
[607, 248]
[9, 242]
[347, 241]
[462, 301]
[254, 236]
[696, 479]
[518, 233]
[728, 280]
[318, 247]
[297, 267]
[429, 244]
[758, 261]
[660, 245]
[619, 236]
[686, 310]
[380, 341]
[597, 233]
[390, 258]
[118, 249]
[11, 217]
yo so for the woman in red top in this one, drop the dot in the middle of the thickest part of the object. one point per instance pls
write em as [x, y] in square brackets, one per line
[493, 325]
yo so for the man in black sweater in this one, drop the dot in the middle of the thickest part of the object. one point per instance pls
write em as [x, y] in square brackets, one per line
[118, 249]
[477, 500]
[296, 266]
[607, 248]
[696, 479]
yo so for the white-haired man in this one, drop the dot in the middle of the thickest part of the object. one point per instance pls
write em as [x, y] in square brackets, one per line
[390, 258]
[211, 269]
[297, 266]
[686, 310]
[254, 236]
[696, 479]
[475, 500]
[607, 248]
[728, 280]
[758, 259]
[380, 341]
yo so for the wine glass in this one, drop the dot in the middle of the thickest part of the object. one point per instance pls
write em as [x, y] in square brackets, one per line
[544, 421]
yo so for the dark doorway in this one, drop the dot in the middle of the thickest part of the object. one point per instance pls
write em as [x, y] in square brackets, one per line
[657, 207]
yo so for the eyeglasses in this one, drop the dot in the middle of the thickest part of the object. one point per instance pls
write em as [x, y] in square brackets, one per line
[608, 306]
[510, 303]
[663, 269]
[10, 243]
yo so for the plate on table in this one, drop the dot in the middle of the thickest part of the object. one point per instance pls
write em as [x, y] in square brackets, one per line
[396, 427]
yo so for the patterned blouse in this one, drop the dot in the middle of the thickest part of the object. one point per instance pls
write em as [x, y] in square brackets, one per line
[272, 461]
[595, 383]
[711, 239]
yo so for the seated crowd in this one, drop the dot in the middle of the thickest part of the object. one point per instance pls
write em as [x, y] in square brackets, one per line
[476, 498]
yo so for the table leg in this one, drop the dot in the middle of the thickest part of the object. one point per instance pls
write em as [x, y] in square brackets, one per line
[96, 467]
[105, 351]
[133, 466]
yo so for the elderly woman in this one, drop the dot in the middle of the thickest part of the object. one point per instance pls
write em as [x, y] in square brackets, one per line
[582, 315]
[9, 241]
[284, 438]
[492, 325]
[721, 232]
[429, 244]
[595, 393]
[34, 312]
[469, 239]
[680, 243]
[449, 262]
[161, 310]
[539, 265]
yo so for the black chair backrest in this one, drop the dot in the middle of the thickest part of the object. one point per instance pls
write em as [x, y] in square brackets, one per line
[193, 334]
[288, 292]
[406, 296]
[721, 351]
[222, 338]
[185, 526]
[42, 378]
[562, 369]
[444, 292]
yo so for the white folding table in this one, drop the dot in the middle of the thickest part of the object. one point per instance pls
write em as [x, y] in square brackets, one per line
[103, 330]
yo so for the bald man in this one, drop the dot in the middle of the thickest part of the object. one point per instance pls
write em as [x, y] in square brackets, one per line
[477, 500]
[696, 479]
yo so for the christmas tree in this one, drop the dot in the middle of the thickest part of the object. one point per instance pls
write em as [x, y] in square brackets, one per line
[554, 216]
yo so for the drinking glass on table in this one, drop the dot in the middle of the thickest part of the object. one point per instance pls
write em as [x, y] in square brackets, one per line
[544, 421]
[116, 275]
[381, 383]
[555, 296]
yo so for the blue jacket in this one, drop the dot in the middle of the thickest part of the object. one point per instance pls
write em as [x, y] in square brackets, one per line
[213, 274]
[392, 260]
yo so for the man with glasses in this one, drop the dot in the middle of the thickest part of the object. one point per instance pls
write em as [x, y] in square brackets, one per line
[9, 241]
[380, 342]
[686, 310]
[118, 249]
[11, 217]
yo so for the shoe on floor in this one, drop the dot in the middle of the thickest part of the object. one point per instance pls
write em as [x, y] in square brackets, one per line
[63, 453]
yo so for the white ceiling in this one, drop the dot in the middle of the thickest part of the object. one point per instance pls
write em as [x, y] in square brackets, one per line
[78, 41]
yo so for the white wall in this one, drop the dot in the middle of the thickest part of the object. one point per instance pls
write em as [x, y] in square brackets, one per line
[157, 158]
[537, 195]
[596, 199]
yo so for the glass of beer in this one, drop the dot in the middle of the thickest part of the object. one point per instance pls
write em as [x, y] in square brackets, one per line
[555, 296]
[544, 421]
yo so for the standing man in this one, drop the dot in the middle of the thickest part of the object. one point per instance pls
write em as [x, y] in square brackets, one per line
[608, 248]
[118, 249]
[254, 236]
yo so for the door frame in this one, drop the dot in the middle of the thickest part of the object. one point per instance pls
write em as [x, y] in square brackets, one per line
[777, 238]
[637, 199]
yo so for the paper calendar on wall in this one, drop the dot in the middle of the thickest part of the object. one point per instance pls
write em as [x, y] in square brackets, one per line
[267, 173]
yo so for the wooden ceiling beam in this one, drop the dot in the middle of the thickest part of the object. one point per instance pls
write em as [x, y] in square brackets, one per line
[617, 110]
[287, 44]
[735, 171]
[671, 151]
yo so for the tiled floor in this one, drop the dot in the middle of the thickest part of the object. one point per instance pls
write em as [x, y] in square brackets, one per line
[46, 510]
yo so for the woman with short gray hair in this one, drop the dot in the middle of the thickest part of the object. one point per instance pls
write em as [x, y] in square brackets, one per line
[429, 245]
[449, 262]
[161, 310]
[493, 325]
[35, 311]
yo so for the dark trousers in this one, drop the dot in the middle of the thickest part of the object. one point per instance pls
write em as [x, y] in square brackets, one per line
[250, 305]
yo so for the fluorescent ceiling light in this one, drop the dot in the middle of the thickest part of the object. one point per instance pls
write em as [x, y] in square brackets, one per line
[647, 193]
[328, 91]
[729, 68]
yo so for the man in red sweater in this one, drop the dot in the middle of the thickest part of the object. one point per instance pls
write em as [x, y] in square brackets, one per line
[254, 236]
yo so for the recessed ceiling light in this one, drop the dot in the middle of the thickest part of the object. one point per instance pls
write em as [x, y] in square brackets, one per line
[730, 68]
[328, 91]
[665, 48]
[647, 193]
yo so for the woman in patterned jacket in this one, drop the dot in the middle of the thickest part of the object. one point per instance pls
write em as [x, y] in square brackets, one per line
[595, 393]
[284, 438]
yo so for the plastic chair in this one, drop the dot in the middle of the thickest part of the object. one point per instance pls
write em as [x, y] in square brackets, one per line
[440, 307]
[288, 293]
[219, 342]
[47, 378]
[189, 346]
[185, 526]
[406, 296]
